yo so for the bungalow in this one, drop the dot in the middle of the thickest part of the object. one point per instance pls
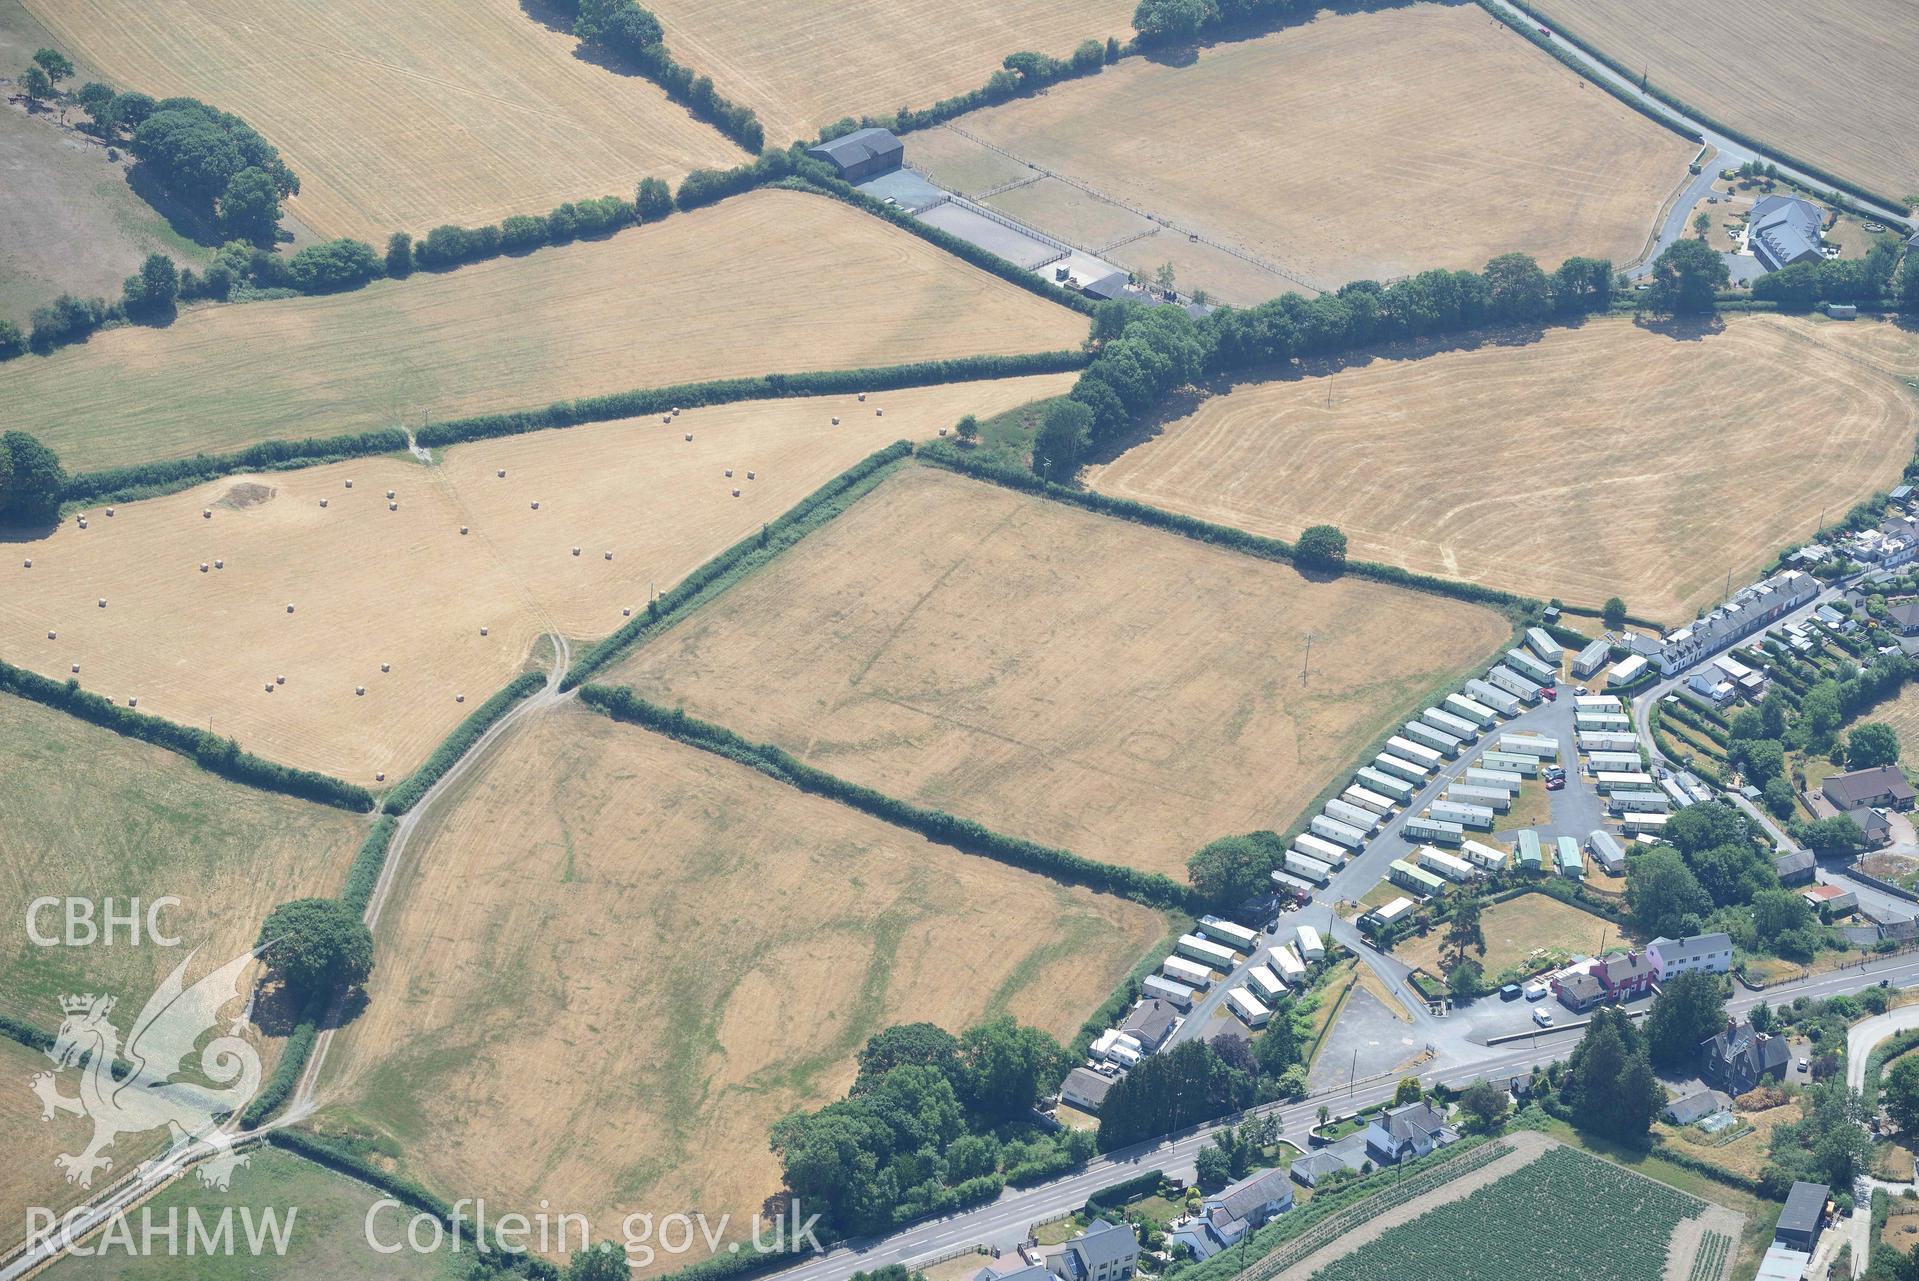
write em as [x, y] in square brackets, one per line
[1737, 1059]
[1104, 1252]
[1711, 953]
[1903, 616]
[1315, 1166]
[1226, 1217]
[1884, 785]
[1695, 1107]
[1830, 901]
[1085, 1089]
[1150, 1023]
[1407, 1132]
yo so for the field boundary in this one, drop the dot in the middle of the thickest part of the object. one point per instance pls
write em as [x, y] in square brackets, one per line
[408, 792]
[212, 753]
[1152, 889]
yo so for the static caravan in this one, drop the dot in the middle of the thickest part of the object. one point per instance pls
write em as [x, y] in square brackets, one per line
[1458, 726]
[1437, 830]
[1520, 687]
[1650, 824]
[1437, 739]
[1569, 860]
[1527, 850]
[1510, 763]
[1540, 642]
[1531, 667]
[1607, 851]
[1591, 659]
[1191, 973]
[1606, 741]
[1616, 762]
[1320, 848]
[1416, 879]
[1397, 910]
[1247, 1006]
[1476, 712]
[1626, 670]
[1382, 783]
[1401, 767]
[1373, 801]
[1596, 702]
[1496, 799]
[1672, 787]
[1291, 969]
[1308, 868]
[1501, 778]
[1355, 816]
[1337, 832]
[1543, 746]
[1640, 802]
[1501, 701]
[1308, 941]
[1608, 781]
[1404, 747]
[1482, 855]
[1114, 1046]
[1230, 933]
[1457, 870]
[1480, 817]
[1604, 722]
[1174, 993]
[1267, 984]
[1195, 948]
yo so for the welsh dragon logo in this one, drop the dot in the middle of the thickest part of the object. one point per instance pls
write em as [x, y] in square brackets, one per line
[165, 1037]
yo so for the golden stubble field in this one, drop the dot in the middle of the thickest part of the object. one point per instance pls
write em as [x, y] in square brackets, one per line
[30, 1178]
[371, 586]
[773, 281]
[400, 117]
[1375, 171]
[1839, 94]
[801, 65]
[1121, 692]
[1599, 461]
[614, 961]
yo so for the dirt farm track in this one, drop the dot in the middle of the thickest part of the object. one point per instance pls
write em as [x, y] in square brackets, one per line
[598, 938]
[1603, 460]
[403, 587]
[1124, 693]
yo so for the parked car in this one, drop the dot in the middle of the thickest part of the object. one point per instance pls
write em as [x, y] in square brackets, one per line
[1555, 784]
[1549, 693]
[1543, 1015]
[1581, 690]
[1510, 992]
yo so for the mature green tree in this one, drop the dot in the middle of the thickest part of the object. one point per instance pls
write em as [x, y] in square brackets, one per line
[1182, 1086]
[56, 64]
[1485, 1107]
[1171, 21]
[399, 255]
[1828, 1144]
[31, 479]
[1778, 797]
[1701, 224]
[250, 208]
[12, 341]
[1466, 979]
[35, 83]
[1464, 930]
[1321, 547]
[1870, 745]
[1613, 616]
[603, 1262]
[1699, 827]
[319, 946]
[1005, 1066]
[1663, 894]
[1901, 1094]
[653, 200]
[967, 429]
[1685, 277]
[1408, 1090]
[130, 110]
[1610, 1084]
[96, 100]
[1277, 1048]
[1517, 290]
[921, 1044]
[1832, 837]
[1233, 869]
[1689, 1008]
[1213, 1167]
[1762, 759]
[1909, 284]
[1065, 432]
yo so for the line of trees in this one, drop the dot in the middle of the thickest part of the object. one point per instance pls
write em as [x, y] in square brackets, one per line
[633, 34]
[405, 796]
[1804, 285]
[143, 480]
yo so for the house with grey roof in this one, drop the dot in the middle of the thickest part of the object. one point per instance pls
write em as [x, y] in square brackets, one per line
[1881, 785]
[1783, 230]
[1795, 868]
[1711, 953]
[1739, 1058]
[1085, 1089]
[1150, 1023]
[1026, 1272]
[1805, 1214]
[1407, 1132]
[1104, 1252]
[1696, 1107]
[862, 154]
[1314, 1166]
[1228, 1215]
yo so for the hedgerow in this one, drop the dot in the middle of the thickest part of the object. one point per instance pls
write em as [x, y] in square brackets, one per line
[211, 752]
[963, 834]
[408, 793]
[143, 480]
[367, 864]
[286, 1073]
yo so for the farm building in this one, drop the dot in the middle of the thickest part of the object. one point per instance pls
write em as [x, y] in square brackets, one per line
[1205, 951]
[1520, 687]
[1354, 816]
[1291, 968]
[1469, 709]
[1170, 990]
[1456, 870]
[1607, 851]
[1506, 780]
[1608, 781]
[1191, 973]
[1438, 830]
[1475, 816]
[1416, 879]
[1370, 801]
[1307, 868]
[1320, 848]
[1567, 858]
[1410, 770]
[1783, 230]
[1309, 943]
[1268, 984]
[1830, 901]
[1337, 832]
[1531, 667]
[1606, 741]
[1085, 1089]
[1482, 855]
[1591, 659]
[1637, 822]
[1527, 848]
[1436, 739]
[1496, 799]
[1540, 642]
[1626, 670]
[1510, 763]
[1540, 745]
[1458, 726]
[1230, 933]
[1795, 868]
[1384, 784]
[1616, 762]
[1501, 701]
[1414, 752]
[862, 154]
[1639, 802]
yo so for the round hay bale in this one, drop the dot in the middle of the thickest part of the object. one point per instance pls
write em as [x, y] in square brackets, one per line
[323, 502]
[76, 669]
[203, 567]
[103, 602]
[219, 564]
[349, 484]
[879, 413]
[386, 667]
[380, 777]
[536, 504]
[627, 612]
[289, 607]
[463, 529]
[459, 698]
[483, 631]
[501, 473]
[609, 555]
[729, 473]
[279, 680]
[390, 493]
[206, 513]
[83, 522]
[752, 475]
[665, 418]
[862, 398]
[269, 687]
[736, 493]
[393, 507]
[676, 411]
[576, 551]
[53, 635]
[29, 564]
[836, 420]
[359, 691]
[134, 701]
[109, 511]
[689, 436]
[942, 431]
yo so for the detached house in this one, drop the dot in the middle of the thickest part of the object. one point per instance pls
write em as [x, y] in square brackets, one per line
[1711, 953]
[1104, 1252]
[1407, 1132]
[1227, 1216]
[1739, 1058]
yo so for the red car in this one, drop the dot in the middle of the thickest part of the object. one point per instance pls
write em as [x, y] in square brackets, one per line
[1549, 694]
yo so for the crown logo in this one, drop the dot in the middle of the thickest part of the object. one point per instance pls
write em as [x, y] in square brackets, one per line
[78, 1004]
